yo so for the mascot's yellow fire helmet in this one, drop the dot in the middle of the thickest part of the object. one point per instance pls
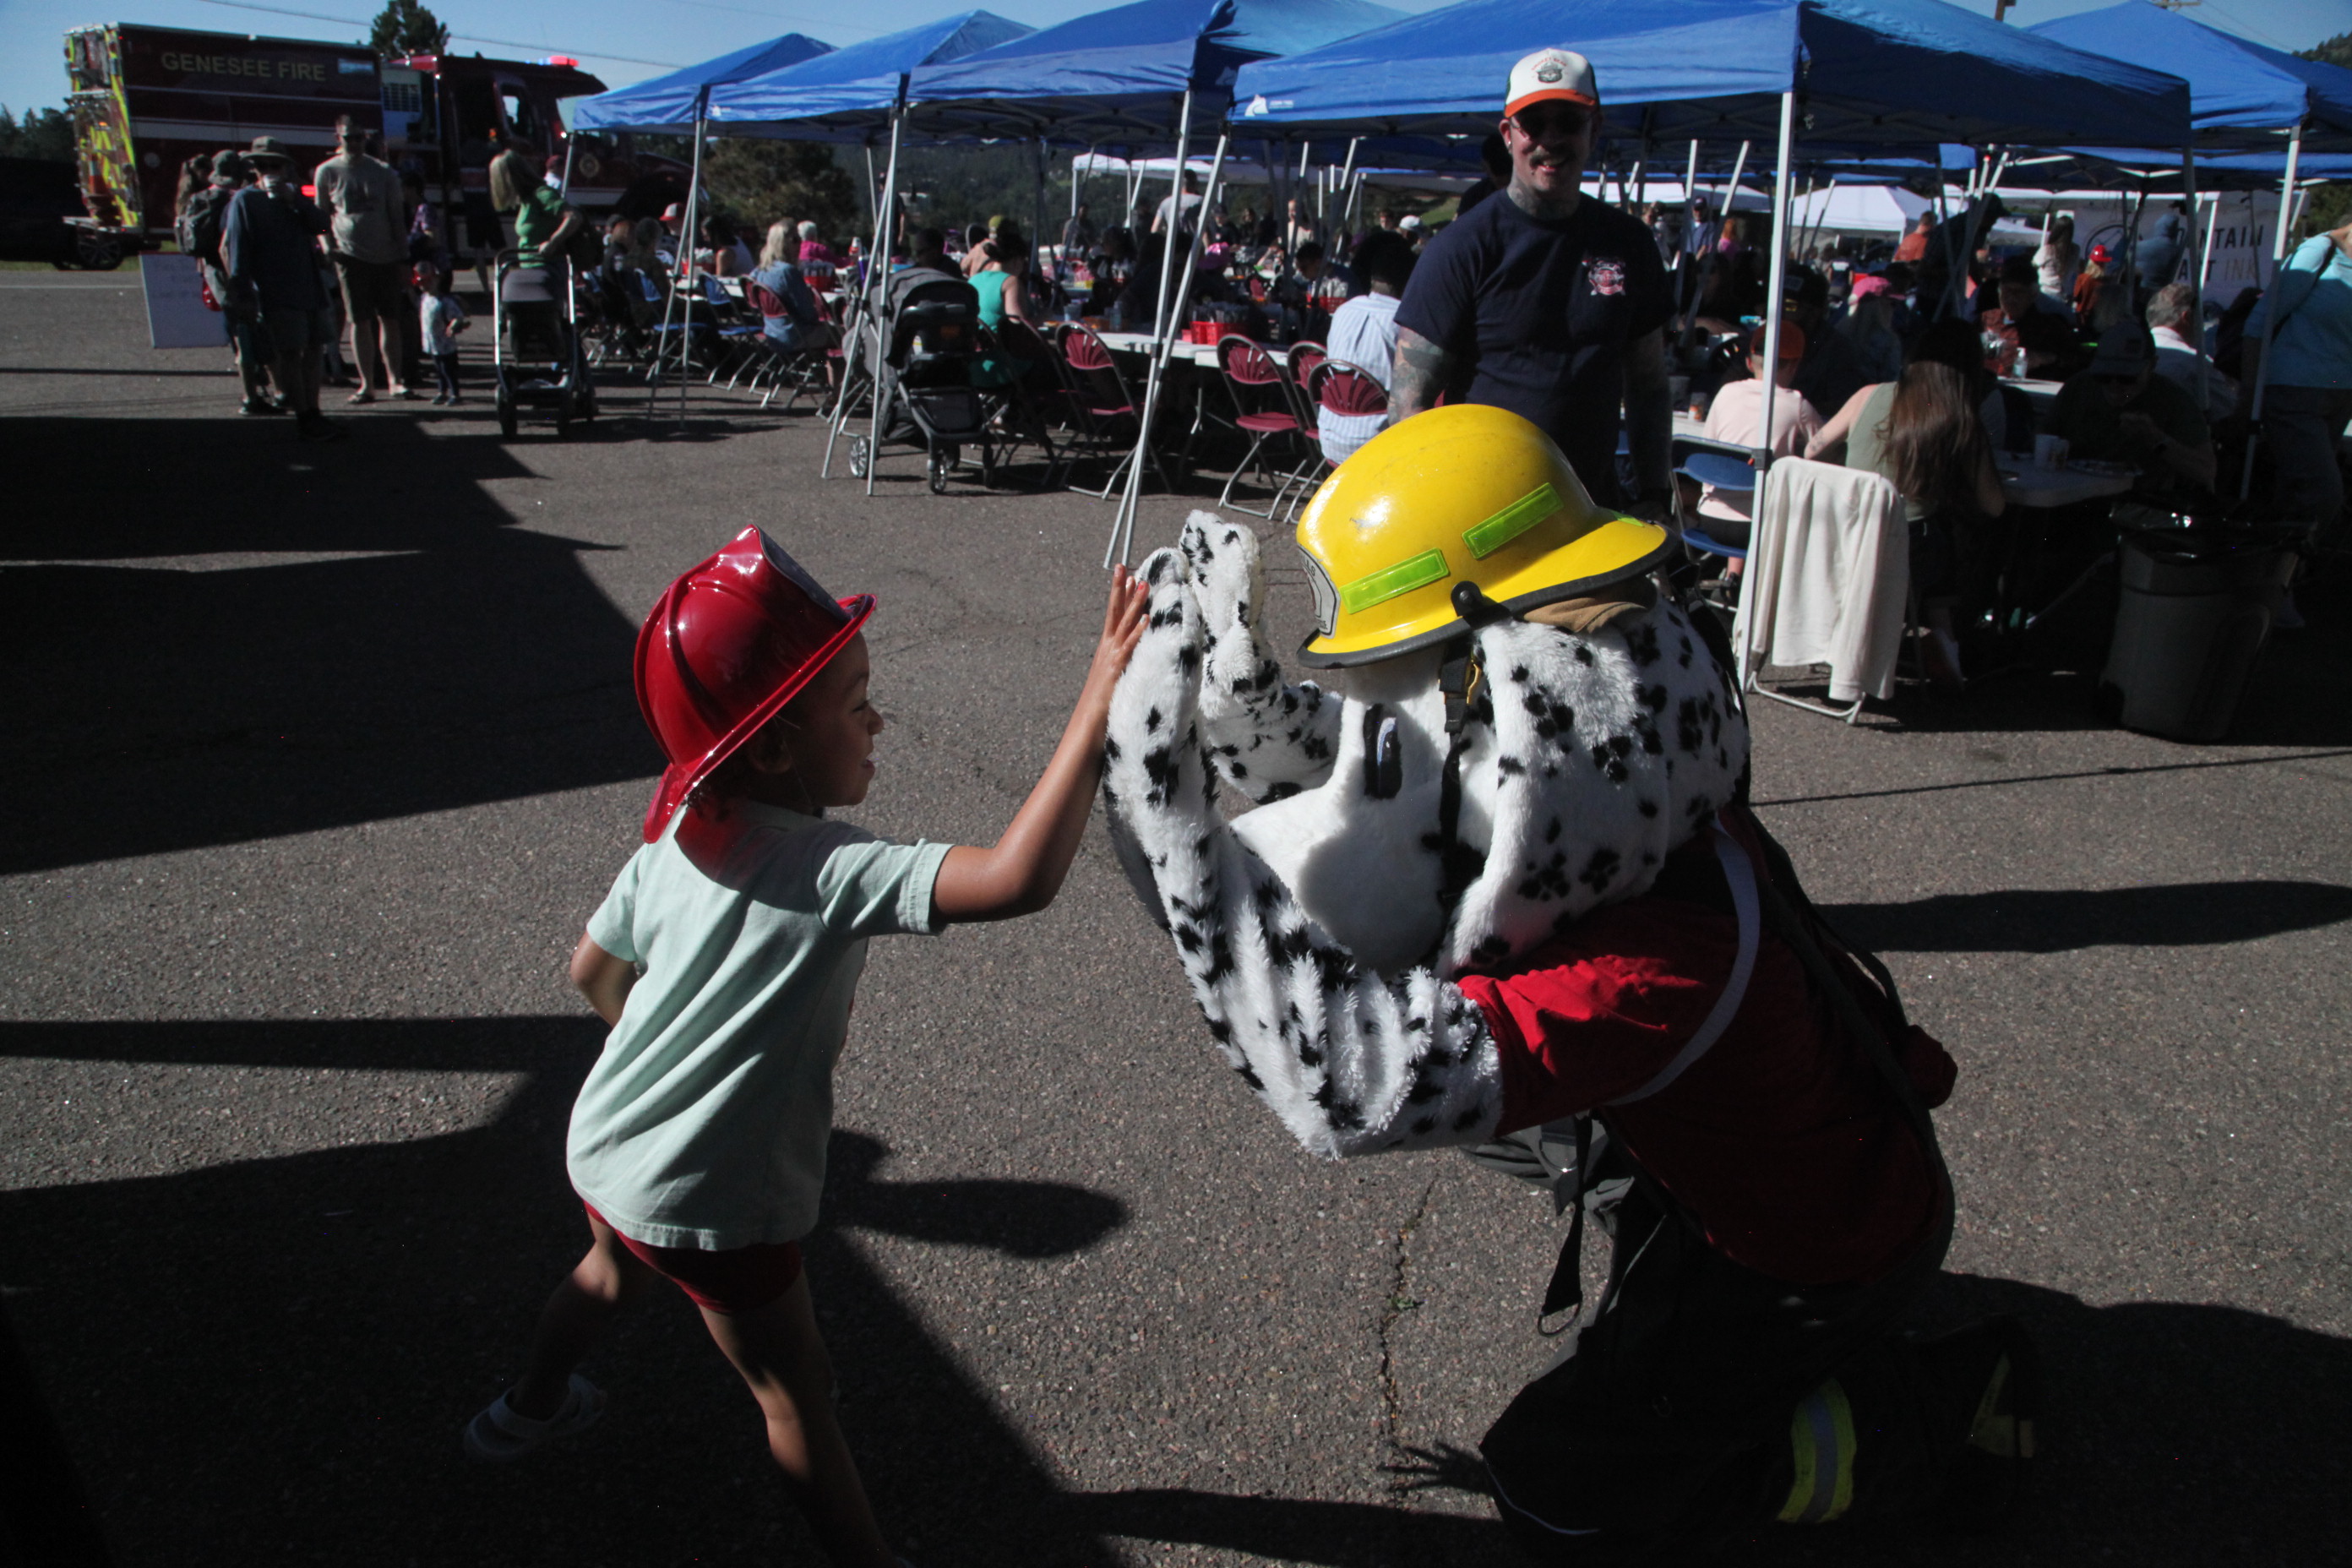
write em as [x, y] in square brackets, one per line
[1466, 493]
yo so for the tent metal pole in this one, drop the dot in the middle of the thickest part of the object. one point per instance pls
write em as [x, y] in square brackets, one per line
[1122, 532]
[879, 278]
[2195, 270]
[1165, 348]
[1690, 194]
[571, 147]
[681, 270]
[1761, 447]
[878, 272]
[1707, 261]
[2270, 314]
[1037, 234]
[2205, 257]
[1347, 195]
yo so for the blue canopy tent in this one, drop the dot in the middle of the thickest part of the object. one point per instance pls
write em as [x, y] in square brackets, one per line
[681, 101]
[674, 102]
[1879, 73]
[2241, 95]
[849, 93]
[855, 94]
[1870, 72]
[1130, 74]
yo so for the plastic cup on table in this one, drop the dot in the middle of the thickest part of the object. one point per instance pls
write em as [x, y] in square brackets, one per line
[2050, 451]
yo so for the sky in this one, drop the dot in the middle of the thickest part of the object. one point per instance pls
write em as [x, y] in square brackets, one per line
[649, 36]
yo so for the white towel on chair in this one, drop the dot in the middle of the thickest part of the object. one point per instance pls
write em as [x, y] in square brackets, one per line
[1828, 570]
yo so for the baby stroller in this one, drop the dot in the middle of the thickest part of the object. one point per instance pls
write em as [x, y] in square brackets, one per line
[536, 345]
[922, 388]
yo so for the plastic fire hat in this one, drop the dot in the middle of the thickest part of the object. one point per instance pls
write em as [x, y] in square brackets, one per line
[725, 647]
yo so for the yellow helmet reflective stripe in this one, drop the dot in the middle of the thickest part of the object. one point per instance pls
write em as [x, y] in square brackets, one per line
[1464, 493]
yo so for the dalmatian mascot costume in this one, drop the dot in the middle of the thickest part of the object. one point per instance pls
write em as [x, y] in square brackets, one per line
[1531, 738]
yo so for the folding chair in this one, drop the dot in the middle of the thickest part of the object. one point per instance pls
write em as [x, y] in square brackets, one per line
[1346, 390]
[1844, 589]
[1269, 408]
[1027, 405]
[1104, 405]
[1723, 465]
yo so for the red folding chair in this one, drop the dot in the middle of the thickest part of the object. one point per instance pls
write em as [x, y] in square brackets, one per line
[1269, 406]
[1105, 415]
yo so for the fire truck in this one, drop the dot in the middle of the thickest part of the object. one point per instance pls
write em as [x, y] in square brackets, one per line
[144, 99]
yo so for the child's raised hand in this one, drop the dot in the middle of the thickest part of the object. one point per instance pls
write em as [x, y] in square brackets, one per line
[1122, 628]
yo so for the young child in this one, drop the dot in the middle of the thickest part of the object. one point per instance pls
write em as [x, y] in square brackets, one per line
[1737, 416]
[725, 959]
[442, 319]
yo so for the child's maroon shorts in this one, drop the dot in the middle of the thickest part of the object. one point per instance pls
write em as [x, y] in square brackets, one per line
[740, 1280]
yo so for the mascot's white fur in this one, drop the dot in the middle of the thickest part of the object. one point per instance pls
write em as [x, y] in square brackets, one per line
[1311, 927]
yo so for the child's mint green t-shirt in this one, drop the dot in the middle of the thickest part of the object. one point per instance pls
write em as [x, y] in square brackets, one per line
[704, 1122]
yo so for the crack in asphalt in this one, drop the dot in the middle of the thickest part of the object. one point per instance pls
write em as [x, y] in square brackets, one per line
[1397, 1305]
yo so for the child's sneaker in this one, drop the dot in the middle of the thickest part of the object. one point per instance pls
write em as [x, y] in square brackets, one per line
[498, 1435]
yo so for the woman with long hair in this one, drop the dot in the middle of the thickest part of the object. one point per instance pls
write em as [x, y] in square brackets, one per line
[544, 221]
[1000, 282]
[1923, 433]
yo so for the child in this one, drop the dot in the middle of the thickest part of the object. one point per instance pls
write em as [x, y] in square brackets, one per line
[1736, 416]
[725, 959]
[442, 319]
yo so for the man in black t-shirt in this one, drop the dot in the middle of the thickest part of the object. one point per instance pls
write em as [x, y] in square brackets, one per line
[1547, 303]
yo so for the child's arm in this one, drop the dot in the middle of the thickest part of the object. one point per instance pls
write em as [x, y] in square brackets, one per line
[1021, 875]
[604, 979]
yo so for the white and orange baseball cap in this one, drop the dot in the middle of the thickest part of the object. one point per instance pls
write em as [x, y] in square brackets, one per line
[1548, 74]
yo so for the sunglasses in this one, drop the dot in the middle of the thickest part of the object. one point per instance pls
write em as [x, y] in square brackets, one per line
[1552, 119]
[2126, 378]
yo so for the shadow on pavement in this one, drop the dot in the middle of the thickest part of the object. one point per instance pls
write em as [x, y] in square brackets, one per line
[2018, 920]
[272, 1361]
[447, 659]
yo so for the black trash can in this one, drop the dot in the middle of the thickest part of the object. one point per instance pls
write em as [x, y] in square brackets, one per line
[2195, 610]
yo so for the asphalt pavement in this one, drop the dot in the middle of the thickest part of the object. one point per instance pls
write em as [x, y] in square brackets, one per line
[317, 758]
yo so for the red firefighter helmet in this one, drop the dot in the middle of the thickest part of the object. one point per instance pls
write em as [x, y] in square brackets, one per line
[725, 647]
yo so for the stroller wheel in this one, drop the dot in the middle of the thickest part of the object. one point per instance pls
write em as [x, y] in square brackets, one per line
[506, 421]
[861, 457]
[939, 466]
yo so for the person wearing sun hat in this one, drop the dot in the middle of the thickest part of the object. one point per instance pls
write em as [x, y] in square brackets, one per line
[725, 961]
[1548, 303]
[270, 254]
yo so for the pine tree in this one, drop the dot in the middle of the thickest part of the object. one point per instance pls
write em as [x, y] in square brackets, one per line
[406, 27]
[41, 133]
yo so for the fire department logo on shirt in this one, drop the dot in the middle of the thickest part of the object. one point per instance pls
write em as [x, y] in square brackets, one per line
[1606, 277]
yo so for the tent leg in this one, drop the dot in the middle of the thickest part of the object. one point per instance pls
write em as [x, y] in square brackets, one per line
[869, 324]
[2195, 270]
[1122, 528]
[2270, 317]
[1773, 308]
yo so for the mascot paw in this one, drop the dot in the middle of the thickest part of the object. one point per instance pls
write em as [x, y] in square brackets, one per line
[1269, 740]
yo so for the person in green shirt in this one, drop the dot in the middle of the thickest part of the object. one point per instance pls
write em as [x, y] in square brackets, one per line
[543, 223]
[2121, 411]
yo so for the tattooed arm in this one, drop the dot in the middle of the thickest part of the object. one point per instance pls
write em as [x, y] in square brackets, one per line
[1422, 370]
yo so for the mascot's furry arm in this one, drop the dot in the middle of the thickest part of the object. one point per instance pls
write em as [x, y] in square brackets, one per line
[1268, 739]
[1352, 1061]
